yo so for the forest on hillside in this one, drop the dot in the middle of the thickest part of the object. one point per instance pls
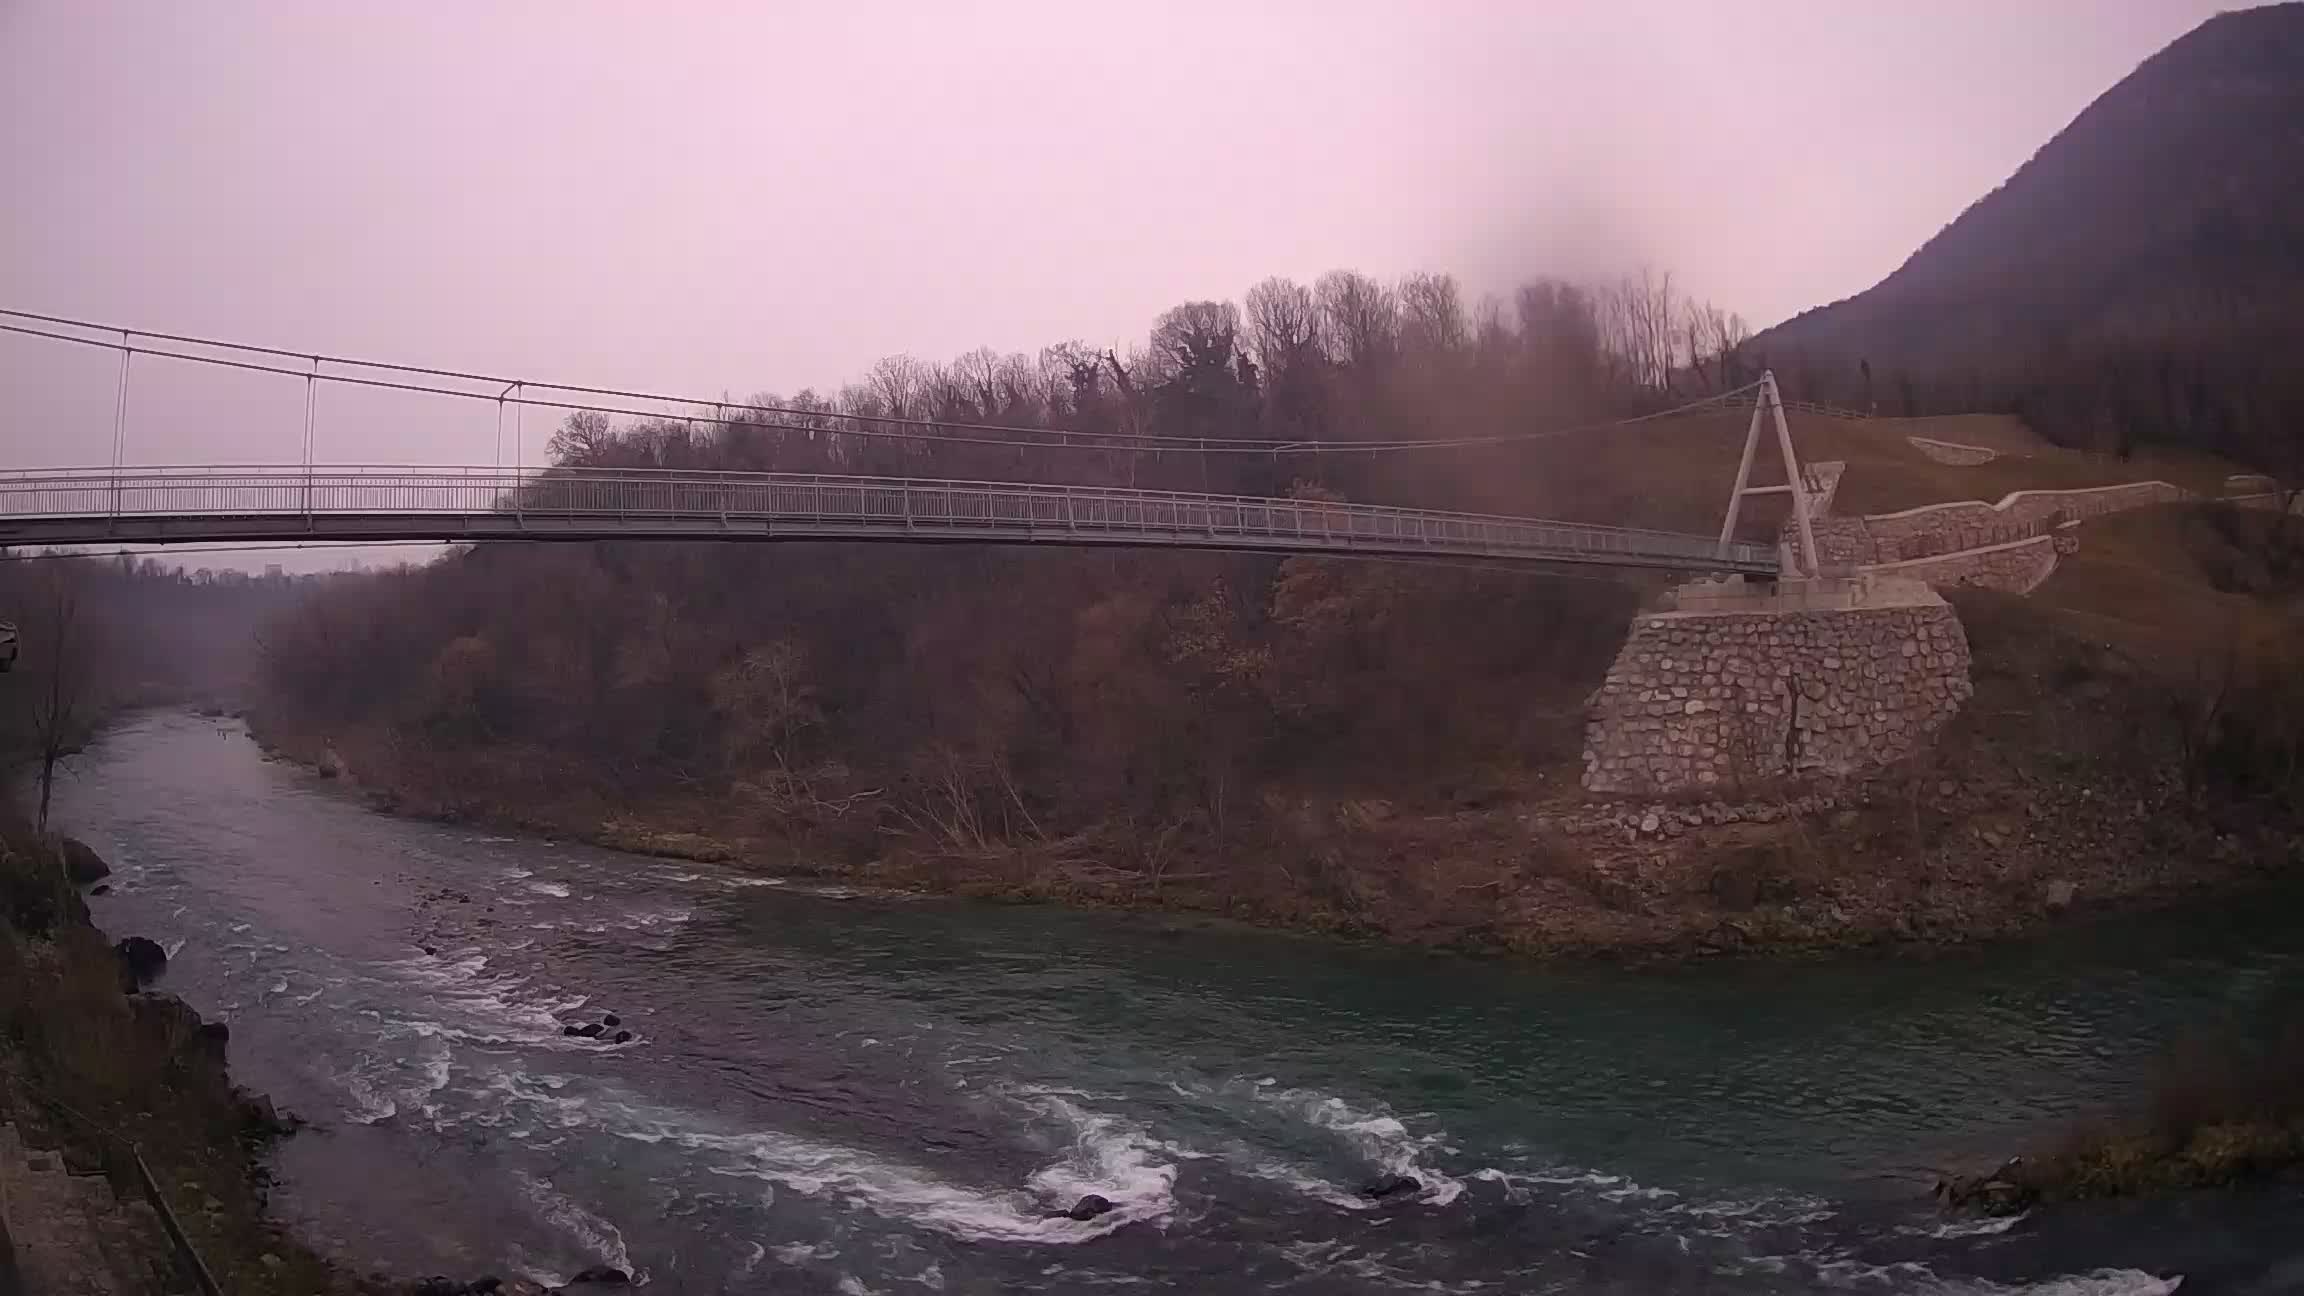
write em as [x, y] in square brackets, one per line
[1113, 710]
[1203, 400]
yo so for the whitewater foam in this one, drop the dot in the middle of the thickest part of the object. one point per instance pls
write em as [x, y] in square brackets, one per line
[1106, 1155]
[1374, 1134]
[2100, 1282]
[369, 1104]
[1975, 1227]
[2104, 1282]
[493, 1009]
[595, 1234]
[1307, 1183]
[1109, 1156]
[754, 1253]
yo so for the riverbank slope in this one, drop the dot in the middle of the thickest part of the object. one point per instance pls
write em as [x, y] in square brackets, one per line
[104, 1083]
[2090, 770]
[94, 1070]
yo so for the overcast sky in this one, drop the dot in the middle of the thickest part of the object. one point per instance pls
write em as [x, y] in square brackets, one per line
[747, 197]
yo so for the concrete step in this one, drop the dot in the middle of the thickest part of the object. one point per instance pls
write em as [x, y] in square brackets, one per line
[71, 1234]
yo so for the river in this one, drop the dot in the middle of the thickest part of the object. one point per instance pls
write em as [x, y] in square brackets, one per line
[851, 1093]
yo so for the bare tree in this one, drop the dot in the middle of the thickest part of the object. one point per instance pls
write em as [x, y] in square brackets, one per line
[1560, 329]
[766, 703]
[59, 675]
[1283, 326]
[1491, 329]
[1637, 326]
[976, 376]
[1432, 314]
[583, 439]
[1359, 319]
[1713, 340]
[1196, 338]
[901, 384]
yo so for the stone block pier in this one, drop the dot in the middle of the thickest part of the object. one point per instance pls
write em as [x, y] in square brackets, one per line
[1732, 686]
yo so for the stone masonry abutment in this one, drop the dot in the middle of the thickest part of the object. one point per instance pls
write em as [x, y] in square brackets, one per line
[1732, 686]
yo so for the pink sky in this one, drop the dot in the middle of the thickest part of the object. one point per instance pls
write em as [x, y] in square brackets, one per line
[747, 197]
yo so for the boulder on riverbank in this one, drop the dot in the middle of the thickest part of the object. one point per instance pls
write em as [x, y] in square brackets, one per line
[142, 960]
[179, 1028]
[623, 835]
[598, 1276]
[2008, 1190]
[81, 863]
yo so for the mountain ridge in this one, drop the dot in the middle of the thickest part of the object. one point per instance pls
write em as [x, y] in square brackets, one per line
[2167, 216]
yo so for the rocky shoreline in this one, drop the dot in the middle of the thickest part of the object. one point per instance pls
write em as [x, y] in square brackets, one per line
[1914, 858]
[113, 1080]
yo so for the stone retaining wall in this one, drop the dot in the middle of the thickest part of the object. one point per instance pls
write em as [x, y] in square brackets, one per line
[2023, 507]
[1952, 452]
[1935, 529]
[1710, 702]
[2269, 501]
[2016, 568]
[1823, 481]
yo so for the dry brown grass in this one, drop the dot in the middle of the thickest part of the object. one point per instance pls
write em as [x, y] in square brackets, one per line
[2003, 432]
[2217, 1114]
[1674, 474]
[2169, 584]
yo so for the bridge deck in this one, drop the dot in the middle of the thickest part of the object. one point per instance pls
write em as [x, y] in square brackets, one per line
[231, 504]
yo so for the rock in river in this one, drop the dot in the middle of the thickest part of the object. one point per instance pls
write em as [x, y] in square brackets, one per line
[601, 1276]
[1389, 1185]
[443, 1286]
[1089, 1207]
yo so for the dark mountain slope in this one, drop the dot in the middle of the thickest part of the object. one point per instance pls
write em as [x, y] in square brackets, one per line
[2139, 278]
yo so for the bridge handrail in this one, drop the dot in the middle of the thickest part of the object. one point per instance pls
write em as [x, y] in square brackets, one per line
[164, 476]
[98, 502]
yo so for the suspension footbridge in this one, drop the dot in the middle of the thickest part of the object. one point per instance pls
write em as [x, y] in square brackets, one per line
[387, 503]
[124, 504]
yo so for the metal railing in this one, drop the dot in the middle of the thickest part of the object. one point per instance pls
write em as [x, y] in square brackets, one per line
[234, 502]
[123, 1156]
